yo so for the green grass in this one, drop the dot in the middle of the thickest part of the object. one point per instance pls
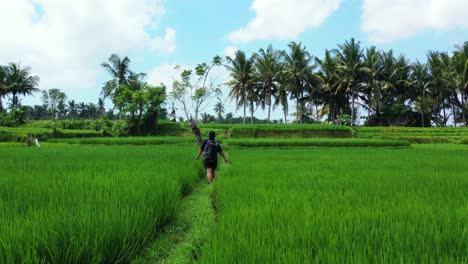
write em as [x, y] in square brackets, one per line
[84, 204]
[182, 240]
[464, 141]
[130, 141]
[342, 206]
[316, 143]
[19, 134]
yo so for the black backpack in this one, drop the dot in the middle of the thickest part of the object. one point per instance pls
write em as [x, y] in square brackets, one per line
[210, 153]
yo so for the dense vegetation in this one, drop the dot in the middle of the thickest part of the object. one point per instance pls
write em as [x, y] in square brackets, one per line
[342, 206]
[85, 204]
[288, 143]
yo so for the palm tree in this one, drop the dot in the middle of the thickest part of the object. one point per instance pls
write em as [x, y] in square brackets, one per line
[439, 84]
[241, 71]
[298, 71]
[119, 70]
[19, 81]
[420, 81]
[328, 91]
[101, 106]
[219, 110]
[267, 70]
[282, 96]
[460, 61]
[372, 68]
[350, 66]
[3, 89]
[72, 109]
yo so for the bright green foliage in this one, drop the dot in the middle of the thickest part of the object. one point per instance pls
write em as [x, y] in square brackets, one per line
[314, 142]
[88, 204]
[464, 141]
[13, 134]
[413, 134]
[342, 206]
[129, 141]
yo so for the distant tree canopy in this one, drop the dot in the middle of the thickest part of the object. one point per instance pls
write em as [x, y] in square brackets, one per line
[338, 88]
[389, 88]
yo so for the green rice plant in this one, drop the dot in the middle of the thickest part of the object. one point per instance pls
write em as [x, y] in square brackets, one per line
[129, 141]
[316, 143]
[333, 205]
[19, 134]
[464, 141]
[84, 204]
[410, 130]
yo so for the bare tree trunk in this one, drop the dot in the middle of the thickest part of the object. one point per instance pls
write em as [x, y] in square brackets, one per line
[368, 109]
[244, 112]
[297, 110]
[463, 108]
[269, 112]
[352, 107]
[317, 113]
[443, 111]
[454, 112]
[422, 116]
[285, 115]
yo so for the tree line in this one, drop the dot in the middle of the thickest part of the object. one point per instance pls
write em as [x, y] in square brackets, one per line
[387, 88]
[391, 89]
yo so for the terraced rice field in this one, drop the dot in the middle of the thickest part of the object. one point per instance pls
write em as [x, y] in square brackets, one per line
[67, 203]
[343, 206]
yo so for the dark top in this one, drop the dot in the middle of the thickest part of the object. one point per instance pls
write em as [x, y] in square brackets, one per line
[203, 145]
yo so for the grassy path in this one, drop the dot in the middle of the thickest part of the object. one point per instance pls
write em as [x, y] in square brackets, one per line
[181, 241]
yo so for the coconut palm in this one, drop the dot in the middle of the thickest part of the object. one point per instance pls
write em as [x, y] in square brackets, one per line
[19, 81]
[119, 70]
[372, 68]
[328, 90]
[282, 96]
[219, 110]
[298, 71]
[267, 70]
[440, 85]
[420, 81]
[3, 90]
[241, 71]
[460, 61]
[350, 66]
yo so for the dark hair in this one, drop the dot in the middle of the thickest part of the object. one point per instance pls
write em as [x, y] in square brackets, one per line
[212, 135]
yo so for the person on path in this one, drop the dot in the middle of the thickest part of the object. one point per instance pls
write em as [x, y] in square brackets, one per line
[210, 149]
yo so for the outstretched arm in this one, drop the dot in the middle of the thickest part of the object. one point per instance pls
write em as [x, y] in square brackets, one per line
[199, 153]
[224, 156]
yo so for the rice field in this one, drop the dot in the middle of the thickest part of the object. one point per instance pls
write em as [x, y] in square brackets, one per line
[330, 205]
[85, 204]
[105, 200]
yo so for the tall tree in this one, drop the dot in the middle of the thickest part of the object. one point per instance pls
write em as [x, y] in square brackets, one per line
[328, 91]
[3, 89]
[241, 70]
[298, 71]
[420, 81]
[268, 68]
[372, 68]
[460, 61]
[19, 81]
[119, 70]
[350, 66]
[219, 110]
[53, 98]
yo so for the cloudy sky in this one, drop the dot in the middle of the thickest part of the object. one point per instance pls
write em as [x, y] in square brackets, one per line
[65, 41]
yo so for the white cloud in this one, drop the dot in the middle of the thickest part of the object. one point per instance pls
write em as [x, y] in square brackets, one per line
[167, 43]
[230, 51]
[386, 21]
[165, 74]
[283, 20]
[65, 41]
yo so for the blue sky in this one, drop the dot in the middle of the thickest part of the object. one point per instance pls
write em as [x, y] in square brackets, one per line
[65, 42]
